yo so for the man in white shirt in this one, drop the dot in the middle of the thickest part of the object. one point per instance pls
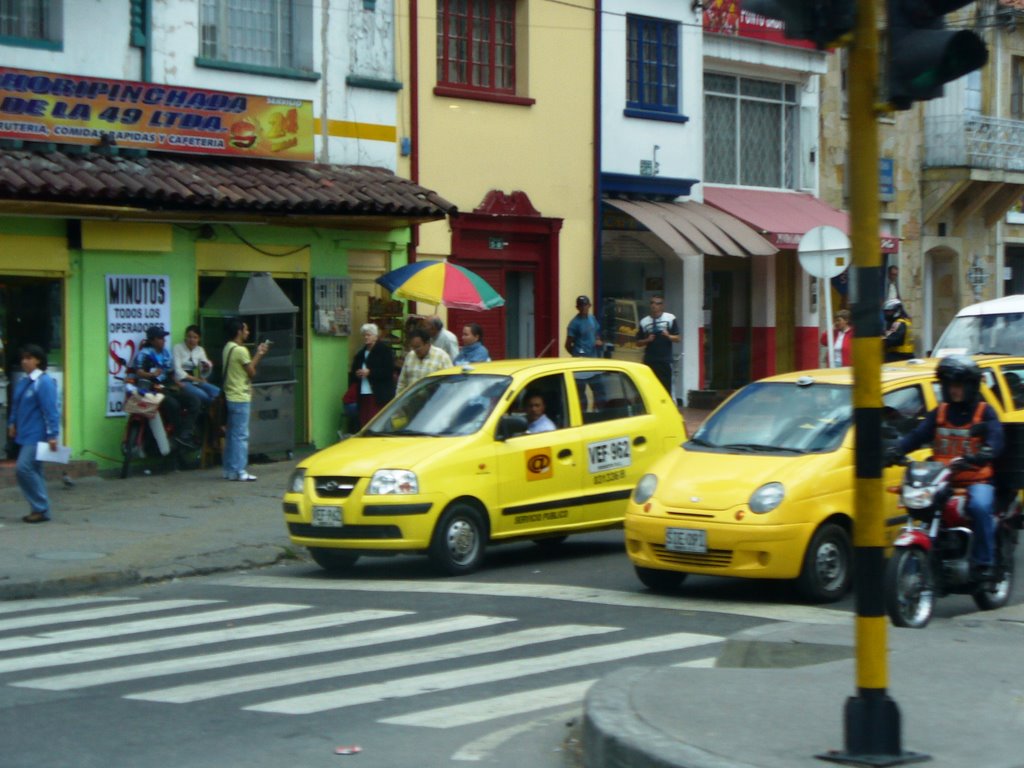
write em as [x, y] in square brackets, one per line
[442, 338]
[536, 419]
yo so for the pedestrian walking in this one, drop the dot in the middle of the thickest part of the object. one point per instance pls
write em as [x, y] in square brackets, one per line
[33, 419]
[658, 332]
[239, 369]
[583, 335]
[422, 359]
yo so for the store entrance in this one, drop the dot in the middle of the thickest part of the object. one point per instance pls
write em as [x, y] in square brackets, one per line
[31, 312]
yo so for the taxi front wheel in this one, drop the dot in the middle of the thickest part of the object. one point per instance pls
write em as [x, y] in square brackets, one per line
[828, 562]
[457, 546]
[659, 581]
[333, 560]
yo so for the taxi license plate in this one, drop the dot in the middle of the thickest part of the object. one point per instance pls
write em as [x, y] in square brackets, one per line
[327, 517]
[686, 540]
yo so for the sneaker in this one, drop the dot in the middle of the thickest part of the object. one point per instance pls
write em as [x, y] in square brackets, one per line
[35, 517]
[245, 477]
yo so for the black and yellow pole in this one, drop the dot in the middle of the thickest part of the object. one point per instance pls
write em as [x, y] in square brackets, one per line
[872, 719]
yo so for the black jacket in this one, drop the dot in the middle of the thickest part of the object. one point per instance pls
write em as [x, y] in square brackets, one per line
[381, 364]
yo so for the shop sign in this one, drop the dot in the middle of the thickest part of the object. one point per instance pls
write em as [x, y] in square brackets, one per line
[727, 17]
[134, 303]
[70, 109]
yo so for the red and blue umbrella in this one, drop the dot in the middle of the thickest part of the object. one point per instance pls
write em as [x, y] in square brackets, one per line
[441, 282]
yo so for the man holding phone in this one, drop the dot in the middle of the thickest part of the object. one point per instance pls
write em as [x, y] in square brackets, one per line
[239, 369]
[658, 331]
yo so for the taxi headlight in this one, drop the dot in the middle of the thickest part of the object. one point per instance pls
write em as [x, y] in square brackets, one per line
[393, 481]
[645, 488]
[296, 481]
[767, 497]
[918, 498]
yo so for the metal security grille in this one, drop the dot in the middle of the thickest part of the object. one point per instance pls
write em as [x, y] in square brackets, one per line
[476, 44]
[255, 32]
[27, 18]
[750, 131]
[652, 64]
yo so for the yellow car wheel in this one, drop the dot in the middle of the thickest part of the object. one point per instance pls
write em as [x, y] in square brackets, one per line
[828, 565]
[659, 581]
[457, 546]
[333, 560]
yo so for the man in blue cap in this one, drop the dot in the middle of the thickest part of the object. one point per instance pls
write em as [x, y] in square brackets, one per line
[154, 369]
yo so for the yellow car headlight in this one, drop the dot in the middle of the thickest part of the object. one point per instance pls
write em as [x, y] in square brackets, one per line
[645, 488]
[767, 497]
[386, 482]
[296, 481]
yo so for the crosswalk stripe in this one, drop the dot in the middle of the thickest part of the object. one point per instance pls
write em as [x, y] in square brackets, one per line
[805, 614]
[142, 625]
[481, 710]
[91, 614]
[705, 663]
[199, 691]
[46, 603]
[487, 673]
[250, 655]
[189, 640]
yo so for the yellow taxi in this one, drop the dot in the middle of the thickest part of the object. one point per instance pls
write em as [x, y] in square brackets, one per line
[764, 489]
[453, 463]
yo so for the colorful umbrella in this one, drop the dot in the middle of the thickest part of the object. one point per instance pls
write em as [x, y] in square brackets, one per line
[440, 282]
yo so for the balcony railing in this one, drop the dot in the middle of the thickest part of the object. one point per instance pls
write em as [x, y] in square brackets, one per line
[992, 143]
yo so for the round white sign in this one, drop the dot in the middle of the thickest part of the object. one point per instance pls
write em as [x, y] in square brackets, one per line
[824, 252]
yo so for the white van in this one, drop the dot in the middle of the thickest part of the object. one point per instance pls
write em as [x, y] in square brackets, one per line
[994, 327]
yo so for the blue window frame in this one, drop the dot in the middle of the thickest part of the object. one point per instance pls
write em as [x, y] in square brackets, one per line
[652, 64]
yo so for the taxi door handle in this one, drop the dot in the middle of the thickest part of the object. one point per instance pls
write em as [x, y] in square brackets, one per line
[565, 453]
[640, 440]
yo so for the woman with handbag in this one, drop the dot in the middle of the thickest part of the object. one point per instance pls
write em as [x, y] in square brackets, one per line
[372, 375]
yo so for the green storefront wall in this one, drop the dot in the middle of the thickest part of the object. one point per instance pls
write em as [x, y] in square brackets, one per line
[187, 254]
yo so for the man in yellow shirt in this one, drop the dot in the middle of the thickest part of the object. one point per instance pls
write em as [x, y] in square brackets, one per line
[239, 368]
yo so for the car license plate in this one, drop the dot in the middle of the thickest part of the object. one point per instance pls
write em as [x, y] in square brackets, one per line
[327, 517]
[685, 540]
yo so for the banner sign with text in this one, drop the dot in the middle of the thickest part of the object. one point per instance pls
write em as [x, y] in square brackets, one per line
[69, 109]
[727, 17]
[134, 303]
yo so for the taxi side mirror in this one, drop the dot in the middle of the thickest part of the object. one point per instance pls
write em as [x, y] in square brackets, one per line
[510, 425]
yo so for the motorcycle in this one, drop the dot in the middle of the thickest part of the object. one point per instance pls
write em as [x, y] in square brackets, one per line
[932, 553]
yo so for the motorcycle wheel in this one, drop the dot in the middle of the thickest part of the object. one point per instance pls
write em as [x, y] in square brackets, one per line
[131, 439]
[988, 597]
[909, 588]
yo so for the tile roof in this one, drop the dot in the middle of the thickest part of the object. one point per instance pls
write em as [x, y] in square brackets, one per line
[193, 183]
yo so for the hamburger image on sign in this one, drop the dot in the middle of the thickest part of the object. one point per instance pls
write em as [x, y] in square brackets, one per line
[243, 134]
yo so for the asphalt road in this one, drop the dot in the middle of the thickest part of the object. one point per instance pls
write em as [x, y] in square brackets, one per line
[283, 665]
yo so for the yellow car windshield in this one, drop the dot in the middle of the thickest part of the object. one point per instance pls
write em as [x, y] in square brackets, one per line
[781, 417]
[439, 406]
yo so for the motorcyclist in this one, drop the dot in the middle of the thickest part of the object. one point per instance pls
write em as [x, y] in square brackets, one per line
[899, 345]
[949, 429]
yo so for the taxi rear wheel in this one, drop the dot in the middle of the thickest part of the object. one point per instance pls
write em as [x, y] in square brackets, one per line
[333, 560]
[659, 581]
[457, 547]
[826, 573]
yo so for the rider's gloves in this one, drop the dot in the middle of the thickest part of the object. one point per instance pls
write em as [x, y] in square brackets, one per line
[983, 456]
[893, 455]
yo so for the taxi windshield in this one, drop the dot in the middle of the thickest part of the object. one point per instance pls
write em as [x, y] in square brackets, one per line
[779, 417]
[438, 406]
[1001, 334]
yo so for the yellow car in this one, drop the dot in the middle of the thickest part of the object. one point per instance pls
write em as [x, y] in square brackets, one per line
[452, 463]
[764, 489]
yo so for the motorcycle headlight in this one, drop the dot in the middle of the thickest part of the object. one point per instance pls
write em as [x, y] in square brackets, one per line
[645, 488]
[767, 497]
[918, 498]
[386, 482]
[296, 481]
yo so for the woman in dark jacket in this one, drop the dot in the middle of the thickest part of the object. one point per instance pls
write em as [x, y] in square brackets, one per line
[373, 372]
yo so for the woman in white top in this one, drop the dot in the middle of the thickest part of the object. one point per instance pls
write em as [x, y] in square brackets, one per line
[192, 366]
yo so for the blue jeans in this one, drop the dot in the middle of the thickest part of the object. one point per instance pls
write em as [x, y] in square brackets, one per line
[30, 479]
[980, 505]
[236, 441]
[204, 391]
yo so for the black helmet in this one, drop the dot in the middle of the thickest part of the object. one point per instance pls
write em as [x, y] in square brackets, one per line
[959, 369]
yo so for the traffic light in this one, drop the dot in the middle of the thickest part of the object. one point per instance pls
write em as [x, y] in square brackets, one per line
[823, 22]
[923, 54]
